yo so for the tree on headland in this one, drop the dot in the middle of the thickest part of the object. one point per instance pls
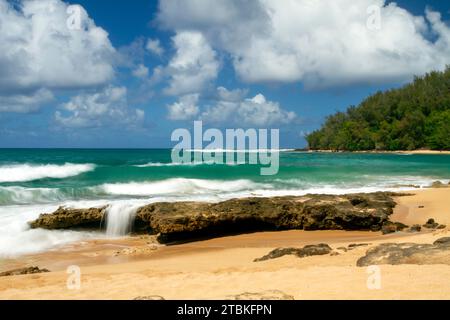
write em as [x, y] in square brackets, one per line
[416, 116]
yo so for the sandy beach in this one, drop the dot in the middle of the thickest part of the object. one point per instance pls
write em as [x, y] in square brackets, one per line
[224, 267]
[421, 151]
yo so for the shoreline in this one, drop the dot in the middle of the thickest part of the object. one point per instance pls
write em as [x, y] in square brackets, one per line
[403, 152]
[222, 267]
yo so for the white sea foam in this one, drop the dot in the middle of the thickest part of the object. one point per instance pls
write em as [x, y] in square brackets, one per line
[188, 164]
[31, 172]
[16, 237]
[172, 164]
[178, 186]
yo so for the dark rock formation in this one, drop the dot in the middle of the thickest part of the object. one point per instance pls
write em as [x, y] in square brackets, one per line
[439, 184]
[306, 251]
[415, 228]
[64, 218]
[22, 271]
[356, 245]
[431, 224]
[442, 242]
[186, 221]
[391, 227]
[408, 253]
[265, 295]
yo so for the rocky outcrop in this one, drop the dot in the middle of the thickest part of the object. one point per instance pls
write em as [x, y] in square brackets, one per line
[408, 253]
[22, 271]
[357, 245]
[432, 224]
[415, 228]
[306, 251]
[265, 295]
[439, 184]
[64, 218]
[183, 221]
[443, 242]
[391, 227]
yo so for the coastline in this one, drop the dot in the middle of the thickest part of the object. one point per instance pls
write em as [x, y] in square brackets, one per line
[424, 152]
[223, 267]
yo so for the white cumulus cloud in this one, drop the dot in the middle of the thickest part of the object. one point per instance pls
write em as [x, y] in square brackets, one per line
[193, 66]
[108, 107]
[38, 51]
[140, 71]
[318, 43]
[154, 46]
[256, 111]
[24, 103]
[185, 109]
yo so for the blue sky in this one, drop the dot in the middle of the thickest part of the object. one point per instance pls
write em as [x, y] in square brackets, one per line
[136, 70]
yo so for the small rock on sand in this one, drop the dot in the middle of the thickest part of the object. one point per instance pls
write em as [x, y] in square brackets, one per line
[356, 245]
[306, 251]
[439, 184]
[22, 271]
[431, 224]
[391, 227]
[265, 295]
[408, 253]
[149, 298]
[415, 228]
[442, 242]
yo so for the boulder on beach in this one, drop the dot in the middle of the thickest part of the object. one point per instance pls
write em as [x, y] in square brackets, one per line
[408, 253]
[23, 271]
[146, 298]
[306, 251]
[432, 224]
[415, 228]
[391, 227]
[265, 295]
[439, 184]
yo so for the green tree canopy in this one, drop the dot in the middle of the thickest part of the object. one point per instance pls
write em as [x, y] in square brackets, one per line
[415, 116]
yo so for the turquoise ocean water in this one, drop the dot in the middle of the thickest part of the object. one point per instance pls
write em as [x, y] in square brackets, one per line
[37, 181]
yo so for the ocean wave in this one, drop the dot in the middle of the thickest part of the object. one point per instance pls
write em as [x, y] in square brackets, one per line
[175, 189]
[179, 186]
[172, 164]
[188, 164]
[31, 172]
[16, 237]
[20, 195]
[239, 151]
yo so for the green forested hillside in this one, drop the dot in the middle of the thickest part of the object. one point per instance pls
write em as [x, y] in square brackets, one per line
[413, 117]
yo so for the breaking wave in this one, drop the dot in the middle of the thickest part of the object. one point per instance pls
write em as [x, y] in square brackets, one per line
[179, 186]
[31, 172]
